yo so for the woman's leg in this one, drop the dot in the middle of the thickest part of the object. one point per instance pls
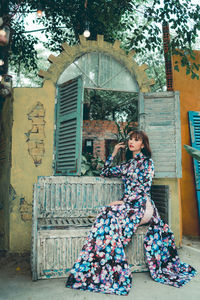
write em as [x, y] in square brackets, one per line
[148, 212]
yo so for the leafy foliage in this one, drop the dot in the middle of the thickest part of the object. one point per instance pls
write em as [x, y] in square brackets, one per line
[138, 23]
[90, 165]
[195, 153]
[183, 18]
[156, 69]
[123, 136]
[111, 105]
[123, 133]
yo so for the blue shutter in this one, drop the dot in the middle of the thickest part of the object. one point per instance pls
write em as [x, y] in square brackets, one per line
[159, 117]
[68, 134]
[194, 124]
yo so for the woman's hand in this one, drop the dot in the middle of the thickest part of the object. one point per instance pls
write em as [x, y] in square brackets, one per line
[116, 203]
[117, 147]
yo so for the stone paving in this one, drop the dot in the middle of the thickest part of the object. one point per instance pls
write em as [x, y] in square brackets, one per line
[16, 283]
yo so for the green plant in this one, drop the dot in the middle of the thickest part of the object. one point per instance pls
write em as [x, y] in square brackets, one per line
[195, 153]
[91, 166]
[122, 136]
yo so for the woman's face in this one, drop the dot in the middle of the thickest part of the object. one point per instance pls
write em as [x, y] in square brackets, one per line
[135, 144]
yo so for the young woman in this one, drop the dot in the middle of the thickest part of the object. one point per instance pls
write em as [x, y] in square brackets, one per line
[102, 265]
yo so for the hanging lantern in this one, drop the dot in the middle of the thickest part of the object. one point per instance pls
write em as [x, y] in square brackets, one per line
[39, 10]
[86, 33]
[39, 13]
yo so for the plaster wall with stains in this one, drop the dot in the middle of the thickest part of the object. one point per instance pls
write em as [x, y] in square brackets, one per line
[32, 153]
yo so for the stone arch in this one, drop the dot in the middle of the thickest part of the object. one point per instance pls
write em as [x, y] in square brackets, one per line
[71, 53]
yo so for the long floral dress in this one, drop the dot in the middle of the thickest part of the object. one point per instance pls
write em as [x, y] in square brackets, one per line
[102, 265]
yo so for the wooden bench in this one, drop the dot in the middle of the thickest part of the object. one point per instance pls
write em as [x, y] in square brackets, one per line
[64, 208]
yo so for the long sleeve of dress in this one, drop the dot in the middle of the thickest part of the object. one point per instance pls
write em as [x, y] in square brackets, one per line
[145, 175]
[109, 171]
[138, 179]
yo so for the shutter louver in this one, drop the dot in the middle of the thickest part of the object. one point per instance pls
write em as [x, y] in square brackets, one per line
[160, 196]
[194, 124]
[159, 117]
[68, 143]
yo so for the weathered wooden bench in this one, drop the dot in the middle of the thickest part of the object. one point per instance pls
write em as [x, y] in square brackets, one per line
[64, 209]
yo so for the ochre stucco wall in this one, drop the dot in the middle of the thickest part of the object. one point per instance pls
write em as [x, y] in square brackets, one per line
[175, 216]
[24, 172]
[189, 101]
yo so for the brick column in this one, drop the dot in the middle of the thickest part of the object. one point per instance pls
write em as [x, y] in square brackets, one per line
[167, 55]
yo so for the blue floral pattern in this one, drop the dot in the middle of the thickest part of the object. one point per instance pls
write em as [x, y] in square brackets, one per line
[102, 265]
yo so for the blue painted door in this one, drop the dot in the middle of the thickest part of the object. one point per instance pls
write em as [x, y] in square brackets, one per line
[194, 124]
[68, 131]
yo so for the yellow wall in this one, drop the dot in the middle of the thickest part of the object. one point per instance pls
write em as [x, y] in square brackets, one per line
[175, 217]
[24, 172]
[189, 101]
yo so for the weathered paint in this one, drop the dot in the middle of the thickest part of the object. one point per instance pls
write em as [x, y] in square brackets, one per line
[69, 123]
[159, 117]
[70, 54]
[23, 171]
[36, 134]
[57, 250]
[64, 209]
[194, 124]
[189, 101]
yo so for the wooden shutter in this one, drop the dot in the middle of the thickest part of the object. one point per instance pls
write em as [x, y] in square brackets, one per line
[159, 117]
[68, 134]
[160, 196]
[194, 124]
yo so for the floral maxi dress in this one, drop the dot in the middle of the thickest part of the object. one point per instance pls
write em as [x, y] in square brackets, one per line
[102, 265]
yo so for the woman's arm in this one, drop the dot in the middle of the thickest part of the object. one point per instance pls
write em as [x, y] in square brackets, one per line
[115, 171]
[146, 173]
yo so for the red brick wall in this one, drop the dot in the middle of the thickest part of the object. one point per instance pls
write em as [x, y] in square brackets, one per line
[99, 131]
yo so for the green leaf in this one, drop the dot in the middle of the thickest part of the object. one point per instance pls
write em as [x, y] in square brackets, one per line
[176, 68]
[195, 153]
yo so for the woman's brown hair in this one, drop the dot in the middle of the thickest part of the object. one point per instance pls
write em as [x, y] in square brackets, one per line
[139, 134]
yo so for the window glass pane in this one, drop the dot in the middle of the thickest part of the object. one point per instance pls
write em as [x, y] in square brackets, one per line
[100, 71]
